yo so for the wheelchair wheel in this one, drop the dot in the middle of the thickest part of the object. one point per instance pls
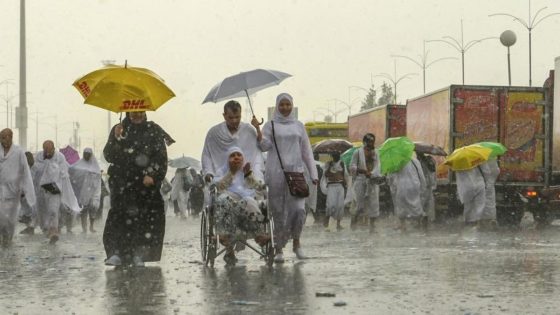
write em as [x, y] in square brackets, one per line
[208, 242]
[204, 236]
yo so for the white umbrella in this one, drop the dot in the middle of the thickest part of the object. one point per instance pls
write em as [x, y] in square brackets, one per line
[244, 84]
[184, 162]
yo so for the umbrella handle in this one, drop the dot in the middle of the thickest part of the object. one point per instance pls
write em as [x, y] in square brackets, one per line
[262, 121]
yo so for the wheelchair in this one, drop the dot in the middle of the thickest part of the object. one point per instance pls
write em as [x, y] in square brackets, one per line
[210, 246]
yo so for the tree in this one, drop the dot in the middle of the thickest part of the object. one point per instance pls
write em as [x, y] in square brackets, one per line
[369, 100]
[387, 95]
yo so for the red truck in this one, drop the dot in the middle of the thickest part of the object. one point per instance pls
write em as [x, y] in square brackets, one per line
[518, 117]
[384, 122]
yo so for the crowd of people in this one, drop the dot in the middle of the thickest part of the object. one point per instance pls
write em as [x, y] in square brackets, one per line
[44, 191]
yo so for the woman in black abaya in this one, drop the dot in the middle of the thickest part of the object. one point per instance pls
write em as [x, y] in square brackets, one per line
[135, 224]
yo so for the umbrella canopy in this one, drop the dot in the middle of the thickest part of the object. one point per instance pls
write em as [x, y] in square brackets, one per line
[346, 157]
[426, 148]
[72, 156]
[331, 146]
[244, 84]
[184, 162]
[496, 147]
[123, 89]
[469, 157]
[394, 154]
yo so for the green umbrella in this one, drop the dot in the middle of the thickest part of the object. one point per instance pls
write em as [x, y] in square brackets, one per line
[395, 153]
[497, 148]
[346, 157]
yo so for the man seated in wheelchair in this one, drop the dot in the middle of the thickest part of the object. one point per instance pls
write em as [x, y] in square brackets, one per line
[237, 212]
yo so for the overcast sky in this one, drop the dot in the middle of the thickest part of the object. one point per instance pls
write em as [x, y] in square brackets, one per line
[326, 45]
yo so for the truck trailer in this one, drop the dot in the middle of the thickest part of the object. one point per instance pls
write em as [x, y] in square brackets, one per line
[517, 117]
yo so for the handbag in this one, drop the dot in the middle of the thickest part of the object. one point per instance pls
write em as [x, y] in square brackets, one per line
[51, 188]
[296, 181]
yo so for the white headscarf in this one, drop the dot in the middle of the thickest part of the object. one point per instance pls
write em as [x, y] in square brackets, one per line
[277, 117]
[238, 183]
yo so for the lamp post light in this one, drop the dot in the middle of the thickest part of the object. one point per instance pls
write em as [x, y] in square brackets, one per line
[108, 62]
[350, 101]
[333, 113]
[508, 39]
[423, 63]
[530, 25]
[394, 79]
[347, 105]
[460, 46]
[7, 98]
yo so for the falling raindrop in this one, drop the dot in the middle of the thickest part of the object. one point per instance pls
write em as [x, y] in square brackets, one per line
[148, 235]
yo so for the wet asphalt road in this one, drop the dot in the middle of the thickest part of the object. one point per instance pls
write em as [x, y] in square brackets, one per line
[447, 271]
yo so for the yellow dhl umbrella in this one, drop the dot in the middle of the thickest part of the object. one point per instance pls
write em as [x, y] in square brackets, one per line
[468, 157]
[123, 89]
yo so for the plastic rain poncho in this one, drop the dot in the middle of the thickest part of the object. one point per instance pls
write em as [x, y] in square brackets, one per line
[53, 170]
[288, 211]
[15, 181]
[472, 193]
[428, 202]
[406, 187]
[490, 171]
[85, 177]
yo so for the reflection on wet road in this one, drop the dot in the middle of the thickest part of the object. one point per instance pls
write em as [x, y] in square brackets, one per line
[447, 271]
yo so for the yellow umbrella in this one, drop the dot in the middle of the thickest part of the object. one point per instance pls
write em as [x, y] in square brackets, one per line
[123, 89]
[468, 157]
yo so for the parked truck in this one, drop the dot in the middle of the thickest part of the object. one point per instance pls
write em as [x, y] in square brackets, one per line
[518, 117]
[384, 122]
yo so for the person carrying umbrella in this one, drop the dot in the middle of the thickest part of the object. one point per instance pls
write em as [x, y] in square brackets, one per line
[429, 169]
[135, 224]
[365, 168]
[407, 186]
[333, 184]
[229, 133]
[471, 184]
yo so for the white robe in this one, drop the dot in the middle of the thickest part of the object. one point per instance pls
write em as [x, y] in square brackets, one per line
[334, 191]
[406, 188]
[288, 211]
[15, 180]
[490, 171]
[366, 193]
[219, 139]
[53, 170]
[472, 193]
[85, 177]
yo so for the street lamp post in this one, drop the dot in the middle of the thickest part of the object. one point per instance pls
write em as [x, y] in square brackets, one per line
[530, 25]
[508, 38]
[394, 79]
[108, 62]
[350, 101]
[423, 63]
[7, 98]
[460, 46]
